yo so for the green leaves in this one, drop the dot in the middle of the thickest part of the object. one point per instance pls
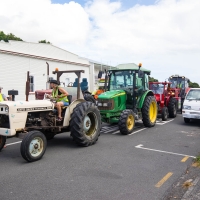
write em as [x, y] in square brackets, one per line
[44, 41]
[193, 85]
[8, 37]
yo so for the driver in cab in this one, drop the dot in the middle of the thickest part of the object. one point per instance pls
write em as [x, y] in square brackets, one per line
[60, 96]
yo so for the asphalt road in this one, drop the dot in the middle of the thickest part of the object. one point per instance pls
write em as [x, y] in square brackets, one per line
[141, 166]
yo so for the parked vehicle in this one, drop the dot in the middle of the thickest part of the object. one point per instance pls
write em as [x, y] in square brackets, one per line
[167, 98]
[191, 105]
[128, 98]
[181, 83]
[36, 122]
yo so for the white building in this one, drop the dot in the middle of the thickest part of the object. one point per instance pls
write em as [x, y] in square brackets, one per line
[17, 57]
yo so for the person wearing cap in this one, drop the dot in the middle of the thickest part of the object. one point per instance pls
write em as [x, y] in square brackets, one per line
[60, 95]
[2, 96]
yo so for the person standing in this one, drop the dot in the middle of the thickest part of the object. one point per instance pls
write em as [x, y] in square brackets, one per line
[2, 96]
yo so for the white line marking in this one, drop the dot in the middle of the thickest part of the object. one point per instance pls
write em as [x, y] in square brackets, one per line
[137, 131]
[114, 133]
[140, 146]
[164, 122]
[13, 143]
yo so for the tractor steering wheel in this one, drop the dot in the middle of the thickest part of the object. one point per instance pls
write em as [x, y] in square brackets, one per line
[70, 84]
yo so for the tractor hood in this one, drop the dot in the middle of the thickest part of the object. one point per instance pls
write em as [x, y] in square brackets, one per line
[33, 105]
[111, 94]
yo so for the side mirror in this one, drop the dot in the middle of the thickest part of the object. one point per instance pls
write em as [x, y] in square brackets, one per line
[140, 74]
[100, 74]
[188, 81]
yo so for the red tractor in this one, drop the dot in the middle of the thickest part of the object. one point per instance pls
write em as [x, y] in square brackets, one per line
[167, 98]
[180, 83]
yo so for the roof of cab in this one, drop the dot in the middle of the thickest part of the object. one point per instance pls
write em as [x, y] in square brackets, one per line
[131, 66]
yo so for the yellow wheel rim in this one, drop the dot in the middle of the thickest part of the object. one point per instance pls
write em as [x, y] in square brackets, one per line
[130, 122]
[153, 111]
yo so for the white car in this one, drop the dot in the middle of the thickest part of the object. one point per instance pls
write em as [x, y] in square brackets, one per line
[191, 105]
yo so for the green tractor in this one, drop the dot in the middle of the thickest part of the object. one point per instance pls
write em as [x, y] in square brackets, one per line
[127, 98]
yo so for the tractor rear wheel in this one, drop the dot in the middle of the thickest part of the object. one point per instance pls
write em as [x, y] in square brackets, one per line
[85, 124]
[164, 113]
[2, 141]
[149, 111]
[126, 122]
[33, 146]
[186, 120]
[172, 108]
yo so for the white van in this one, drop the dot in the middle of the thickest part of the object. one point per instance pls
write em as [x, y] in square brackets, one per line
[191, 105]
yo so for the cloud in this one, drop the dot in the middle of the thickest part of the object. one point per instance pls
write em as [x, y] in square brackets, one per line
[165, 36]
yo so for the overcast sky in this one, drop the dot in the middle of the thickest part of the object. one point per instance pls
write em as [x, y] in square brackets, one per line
[164, 34]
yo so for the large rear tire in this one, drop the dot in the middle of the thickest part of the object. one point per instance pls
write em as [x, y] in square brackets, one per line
[85, 124]
[2, 141]
[33, 146]
[126, 122]
[172, 108]
[149, 111]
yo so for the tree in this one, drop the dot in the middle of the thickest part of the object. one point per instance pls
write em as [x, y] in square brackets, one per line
[193, 85]
[151, 79]
[9, 36]
[44, 41]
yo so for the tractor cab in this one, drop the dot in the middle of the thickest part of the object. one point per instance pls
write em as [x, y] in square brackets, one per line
[127, 97]
[181, 85]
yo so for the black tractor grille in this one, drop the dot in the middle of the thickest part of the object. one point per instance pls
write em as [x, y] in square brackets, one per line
[106, 104]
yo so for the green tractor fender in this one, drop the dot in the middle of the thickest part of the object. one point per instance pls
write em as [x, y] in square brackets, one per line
[140, 100]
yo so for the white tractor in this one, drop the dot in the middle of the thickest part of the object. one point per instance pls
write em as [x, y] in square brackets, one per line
[36, 122]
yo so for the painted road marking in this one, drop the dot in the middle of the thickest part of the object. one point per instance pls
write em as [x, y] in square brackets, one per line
[184, 159]
[137, 131]
[140, 146]
[13, 143]
[116, 132]
[163, 180]
[163, 122]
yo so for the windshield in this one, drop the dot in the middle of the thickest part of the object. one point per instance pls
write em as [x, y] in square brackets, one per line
[193, 95]
[178, 82]
[121, 80]
[157, 88]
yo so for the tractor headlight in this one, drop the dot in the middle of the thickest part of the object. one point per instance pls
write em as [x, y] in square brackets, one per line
[6, 109]
[105, 104]
[187, 107]
[99, 104]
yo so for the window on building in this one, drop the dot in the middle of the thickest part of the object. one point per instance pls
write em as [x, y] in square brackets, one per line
[31, 80]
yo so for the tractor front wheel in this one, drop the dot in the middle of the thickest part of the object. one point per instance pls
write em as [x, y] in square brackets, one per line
[33, 146]
[164, 114]
[2, 141]
[126, 122]
[85, 124]
[172, 107]
[149, 111]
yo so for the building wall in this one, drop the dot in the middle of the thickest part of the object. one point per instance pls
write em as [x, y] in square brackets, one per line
[14, 68]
